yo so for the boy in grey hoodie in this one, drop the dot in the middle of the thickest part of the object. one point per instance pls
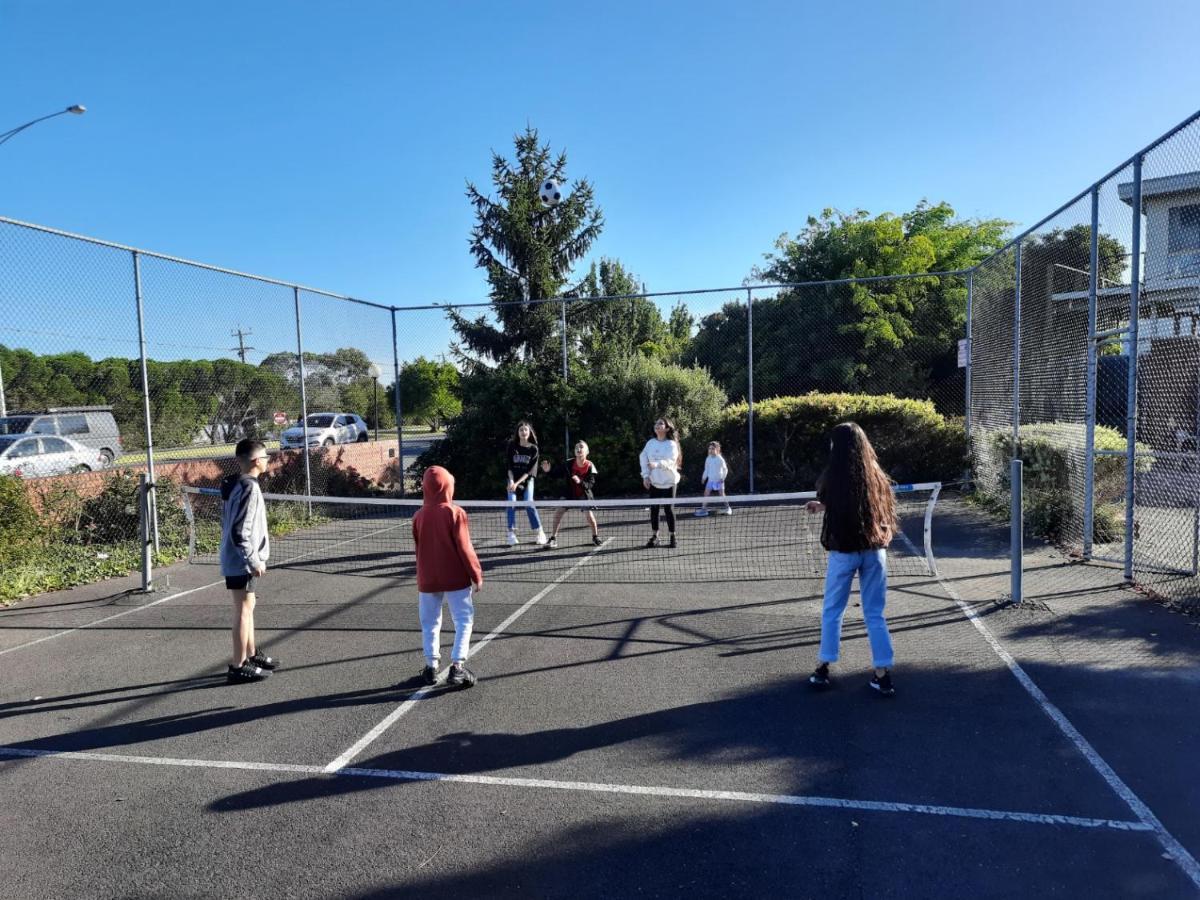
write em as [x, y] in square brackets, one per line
[245, 549]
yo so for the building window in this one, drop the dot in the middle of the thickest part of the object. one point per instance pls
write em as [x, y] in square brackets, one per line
[1183, 228]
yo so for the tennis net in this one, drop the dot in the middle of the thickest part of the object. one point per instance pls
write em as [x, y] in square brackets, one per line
[764, 537]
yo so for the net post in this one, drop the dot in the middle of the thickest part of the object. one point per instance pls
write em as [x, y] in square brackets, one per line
[189, 515]
[750, 383]
[398, 405]
[1016, 403]
[144, 533]
[1089, 436]
[1135, 277]
[928, 529]
[303, 399]
[152, 507]
[1017, 535]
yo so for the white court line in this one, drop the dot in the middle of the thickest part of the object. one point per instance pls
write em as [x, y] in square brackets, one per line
[995, 815]
[1174, 850]
[50, 637]
[395, 715]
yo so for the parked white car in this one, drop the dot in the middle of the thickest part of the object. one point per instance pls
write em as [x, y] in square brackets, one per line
[325, 430]
[34, 456]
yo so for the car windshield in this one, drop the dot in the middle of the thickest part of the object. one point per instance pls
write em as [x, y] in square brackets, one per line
[320, 421]
[15, 424]
[7, 441]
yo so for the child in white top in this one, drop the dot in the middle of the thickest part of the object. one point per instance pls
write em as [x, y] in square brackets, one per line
[715, 472]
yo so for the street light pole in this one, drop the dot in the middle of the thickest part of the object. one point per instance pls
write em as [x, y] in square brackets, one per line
[76, 110]
[374, 373]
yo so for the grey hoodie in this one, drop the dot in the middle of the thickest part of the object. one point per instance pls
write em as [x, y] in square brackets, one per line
[244, 542]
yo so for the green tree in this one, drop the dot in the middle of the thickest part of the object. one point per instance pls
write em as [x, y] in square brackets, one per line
[528, 251]
[875, 337]
[431, 392]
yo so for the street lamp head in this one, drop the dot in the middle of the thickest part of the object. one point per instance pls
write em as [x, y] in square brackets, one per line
[78, 109]
[373, 372]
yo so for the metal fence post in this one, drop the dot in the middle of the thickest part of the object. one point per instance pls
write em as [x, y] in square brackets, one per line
[303, 398]
[397, 404]
[144, 533]
[1135, 277]
[1089, 436]
[1017, 528]
[566, 424]
[750, 383]
[3, 405]
[152, 504]
[967, 374]
[1016, 407]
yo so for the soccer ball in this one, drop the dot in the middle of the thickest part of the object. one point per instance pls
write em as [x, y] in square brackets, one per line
[550, 193]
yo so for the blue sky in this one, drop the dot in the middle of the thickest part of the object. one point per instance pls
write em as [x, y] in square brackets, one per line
[329, 143]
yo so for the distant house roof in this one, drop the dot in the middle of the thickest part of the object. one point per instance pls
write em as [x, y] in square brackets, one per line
[1185, 183]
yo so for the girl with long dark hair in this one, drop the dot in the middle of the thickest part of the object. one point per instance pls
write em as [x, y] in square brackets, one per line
[661, 460]
[860, 519]
[521, 459]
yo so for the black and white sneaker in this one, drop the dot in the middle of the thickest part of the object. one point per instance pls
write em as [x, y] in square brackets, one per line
[263, 661]
[883, 684]
[244, 673]
[460, 677]
[596, 540]
[672, 543]
[552, 544]
[820, 677]
[653, 542]
[429, 676]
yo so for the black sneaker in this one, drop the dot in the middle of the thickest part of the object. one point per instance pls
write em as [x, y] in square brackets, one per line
[244, 673]
[429, 675]
[596, 540]
[653, 542]
[883, 684]
[552, 544]
[263, 661]
[672, 543]
[820, 676]
[460, 677]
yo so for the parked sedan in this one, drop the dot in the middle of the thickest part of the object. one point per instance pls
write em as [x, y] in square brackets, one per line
[35, 456]
[325, 430]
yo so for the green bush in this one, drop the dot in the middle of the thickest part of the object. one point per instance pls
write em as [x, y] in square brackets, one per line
[791, 439]
[1052, 454]
[613, 408]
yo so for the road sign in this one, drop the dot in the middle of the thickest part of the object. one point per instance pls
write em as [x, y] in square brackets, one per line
[281, 418]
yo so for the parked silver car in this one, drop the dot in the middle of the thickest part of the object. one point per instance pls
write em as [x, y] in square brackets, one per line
[34, 456]
[91, 426]
[325, 430]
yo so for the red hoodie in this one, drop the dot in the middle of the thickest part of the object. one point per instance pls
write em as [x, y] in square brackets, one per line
[446, 561]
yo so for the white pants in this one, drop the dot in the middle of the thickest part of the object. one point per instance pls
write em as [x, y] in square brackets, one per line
[462, 611]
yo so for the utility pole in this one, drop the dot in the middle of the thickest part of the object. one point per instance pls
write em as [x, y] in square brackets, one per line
[241, 349]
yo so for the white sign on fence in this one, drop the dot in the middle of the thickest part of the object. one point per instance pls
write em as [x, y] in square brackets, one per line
[962, 353]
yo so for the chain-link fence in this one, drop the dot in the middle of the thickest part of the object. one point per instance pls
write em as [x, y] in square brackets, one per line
[1085, 365]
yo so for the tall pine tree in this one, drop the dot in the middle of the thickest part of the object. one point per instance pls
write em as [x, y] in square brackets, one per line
[528, 251]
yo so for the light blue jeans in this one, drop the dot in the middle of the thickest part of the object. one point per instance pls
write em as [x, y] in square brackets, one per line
[534, 522]
[871, 566]
[462, 611]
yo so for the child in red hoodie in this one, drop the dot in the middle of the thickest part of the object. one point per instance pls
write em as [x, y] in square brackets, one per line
[447, 570]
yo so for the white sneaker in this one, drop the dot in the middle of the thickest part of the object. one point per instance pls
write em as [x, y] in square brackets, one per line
[701, 513]
[541, 537]
[727, 511]
[513, 540]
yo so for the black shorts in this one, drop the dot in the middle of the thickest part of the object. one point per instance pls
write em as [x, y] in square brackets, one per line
[240, 583]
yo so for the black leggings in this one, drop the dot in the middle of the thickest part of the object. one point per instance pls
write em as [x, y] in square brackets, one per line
[669, 508]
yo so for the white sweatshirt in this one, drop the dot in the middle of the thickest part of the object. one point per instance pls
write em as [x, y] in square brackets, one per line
[658, 462]
[715, 469]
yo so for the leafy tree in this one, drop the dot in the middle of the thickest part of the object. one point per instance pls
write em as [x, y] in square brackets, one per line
[875, 337]
[527, 251]
[430, 391]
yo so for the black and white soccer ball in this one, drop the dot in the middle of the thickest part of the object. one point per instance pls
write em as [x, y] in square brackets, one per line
[550, 192]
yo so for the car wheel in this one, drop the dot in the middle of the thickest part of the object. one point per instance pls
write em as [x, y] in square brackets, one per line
[80, 469]
[328, 442]
[106, 458]
[362, 438]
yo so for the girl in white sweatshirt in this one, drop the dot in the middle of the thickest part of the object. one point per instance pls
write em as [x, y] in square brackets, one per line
[715, 472]
[661, 460]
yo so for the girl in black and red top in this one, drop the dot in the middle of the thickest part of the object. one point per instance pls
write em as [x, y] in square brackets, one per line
[580, 475]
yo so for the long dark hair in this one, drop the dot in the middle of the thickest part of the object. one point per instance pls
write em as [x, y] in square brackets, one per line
[670, 427]
[532, 434]
[856, 487]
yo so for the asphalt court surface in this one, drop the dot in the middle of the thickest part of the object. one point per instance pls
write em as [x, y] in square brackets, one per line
[592, 693]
